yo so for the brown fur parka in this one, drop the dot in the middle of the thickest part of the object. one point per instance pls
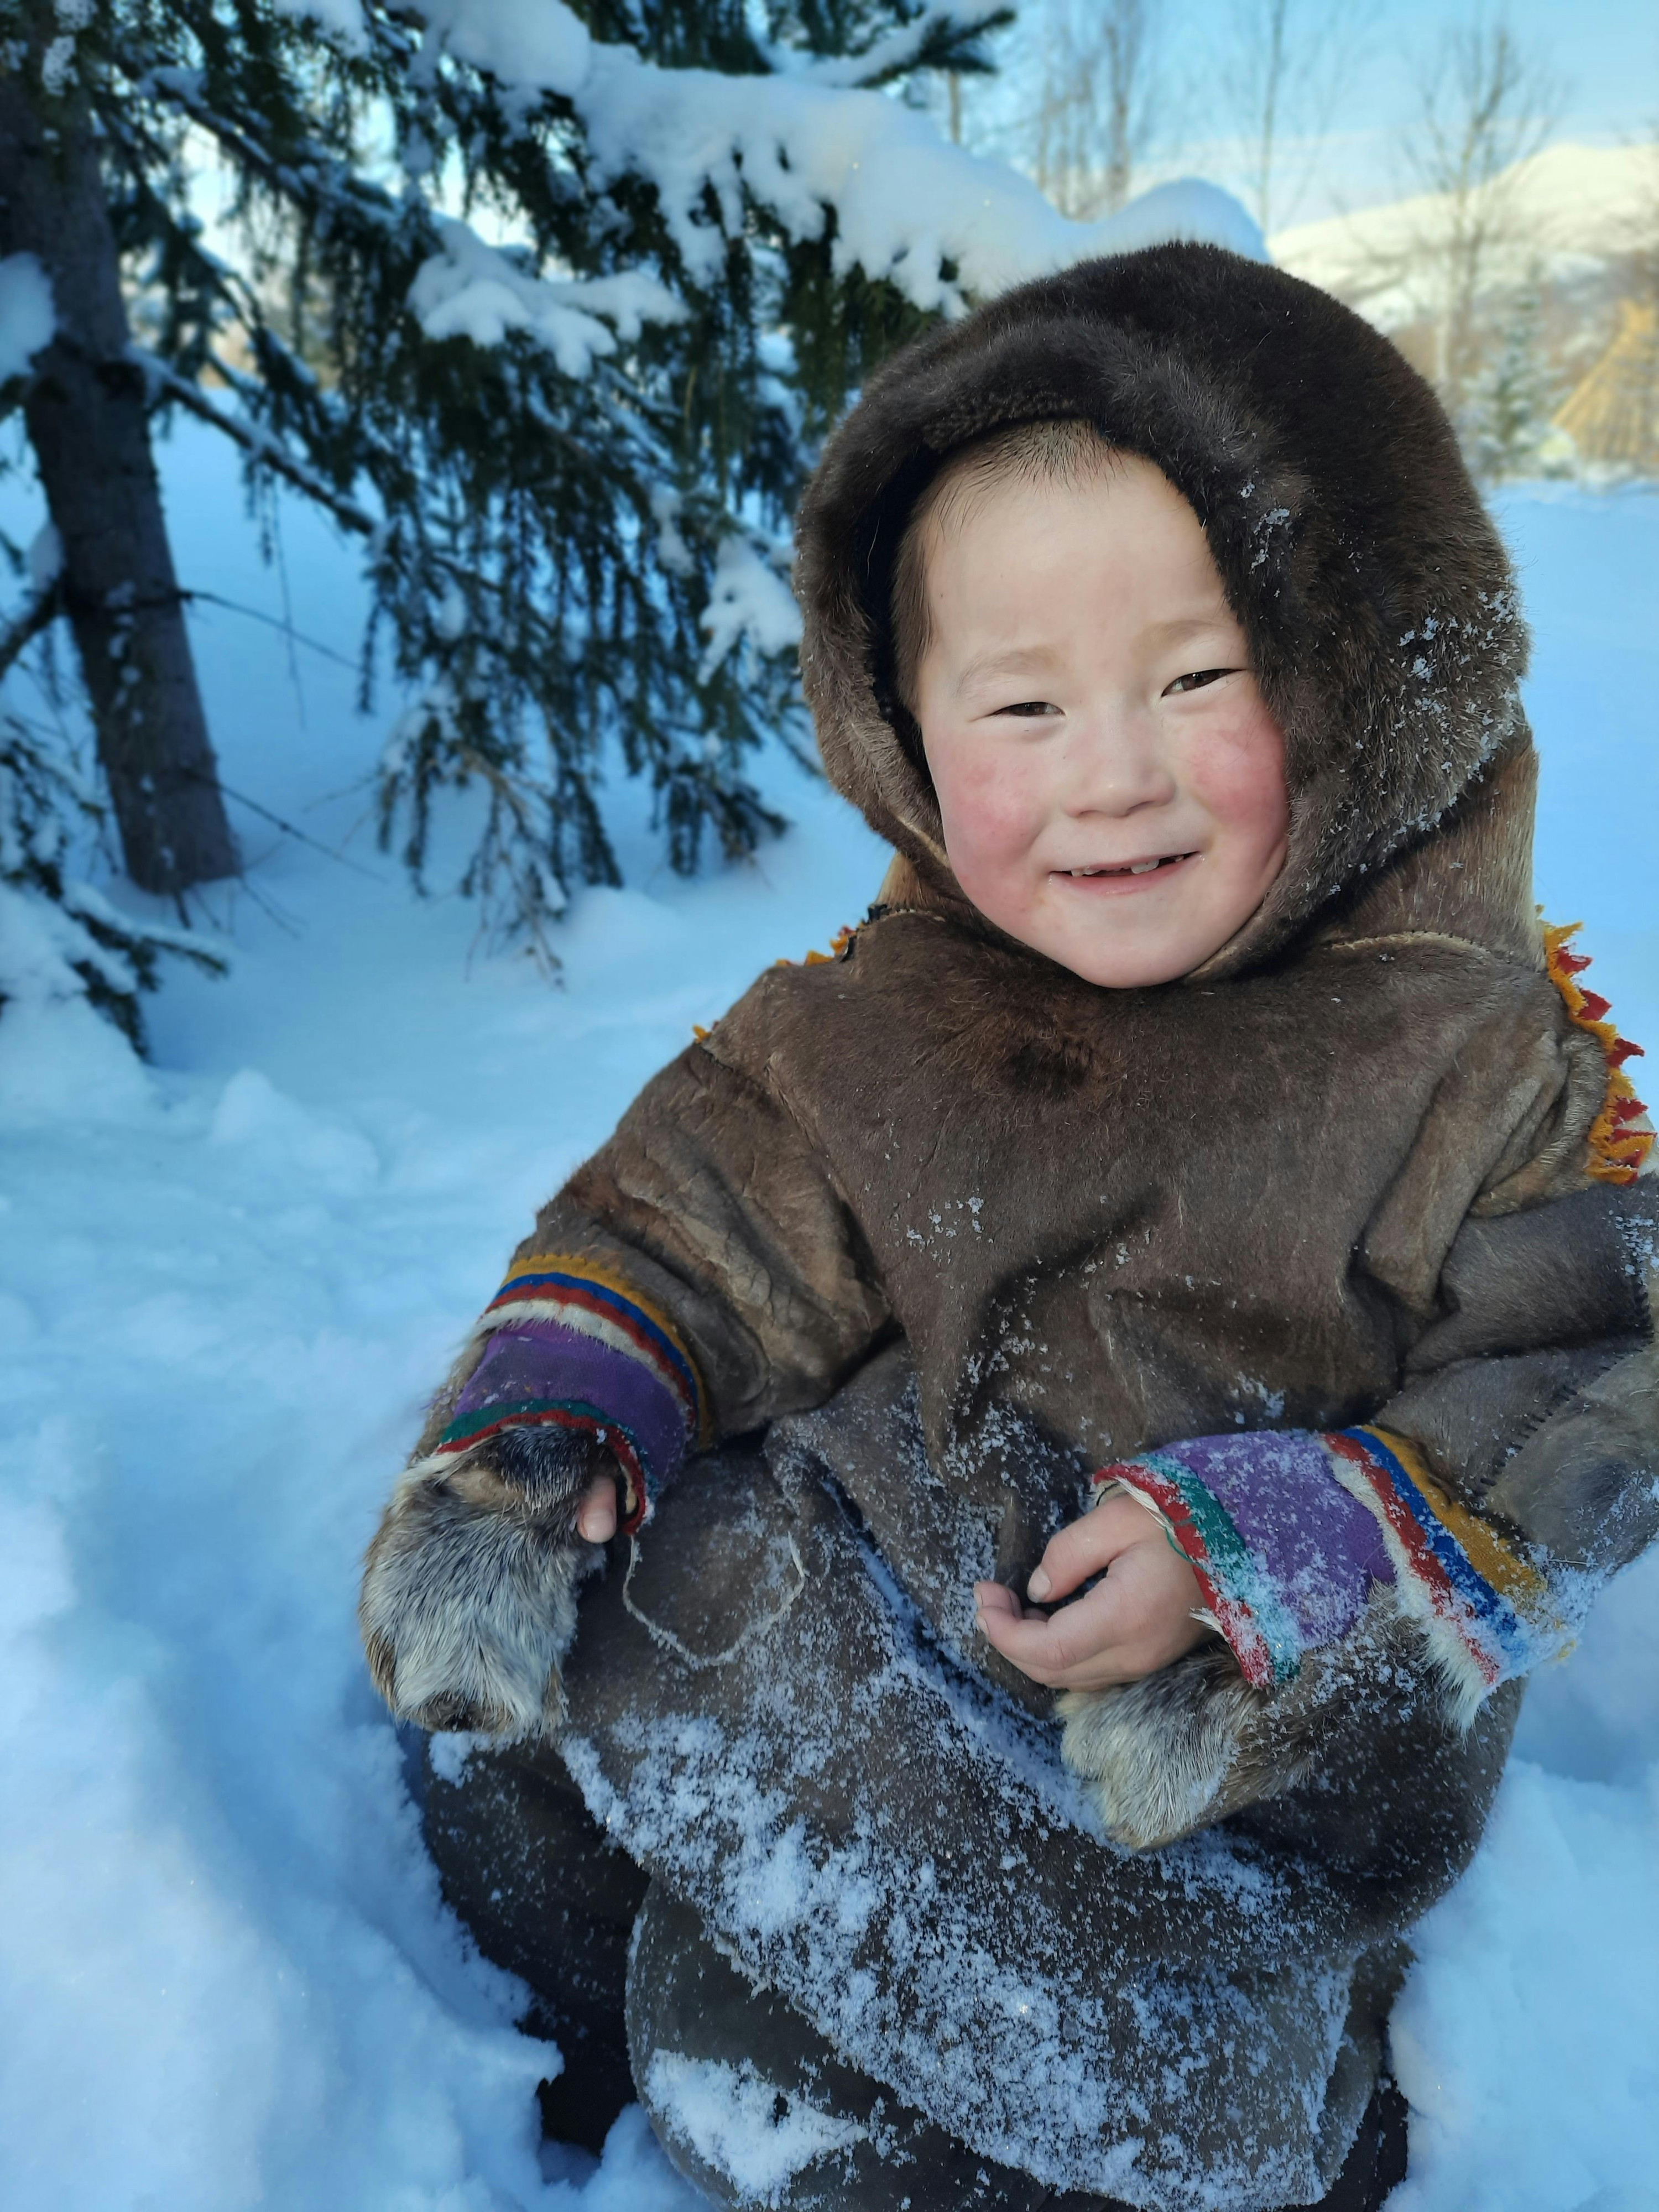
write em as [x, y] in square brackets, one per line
[946, 1227]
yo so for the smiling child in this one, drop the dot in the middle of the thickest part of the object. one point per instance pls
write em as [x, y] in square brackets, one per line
[1200, 1124]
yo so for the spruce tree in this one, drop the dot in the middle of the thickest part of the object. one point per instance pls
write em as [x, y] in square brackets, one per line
[85, 403]
[60, 937]
[548, 306]
[1506, 415]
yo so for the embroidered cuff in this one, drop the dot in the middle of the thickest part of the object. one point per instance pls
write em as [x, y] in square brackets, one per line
[1287, 1531]
[575, 1345]
[1488, 1613]
[1284, 1557]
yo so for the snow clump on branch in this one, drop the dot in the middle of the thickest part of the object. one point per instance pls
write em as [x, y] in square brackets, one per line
[908, 206]
[27, 317]
[477, 291]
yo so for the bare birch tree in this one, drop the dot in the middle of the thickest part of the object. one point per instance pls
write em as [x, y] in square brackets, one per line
[1485, 106]
[1291, 61]
[1096, 102]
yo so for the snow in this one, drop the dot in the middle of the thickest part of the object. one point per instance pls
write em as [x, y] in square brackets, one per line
[748, 598]
[27, 317]
[533, 43]
[341, 19]
[39, 941]
[893, 52]
[226, 1977]
[473, 290]
[742, 2124]
[1528, 1937]
[58, 1060]
[907, 201]
[43, 561]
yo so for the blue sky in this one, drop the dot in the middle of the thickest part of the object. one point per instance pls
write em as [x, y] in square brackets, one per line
[1608, 49]
[1600, 58]
[1602, 55]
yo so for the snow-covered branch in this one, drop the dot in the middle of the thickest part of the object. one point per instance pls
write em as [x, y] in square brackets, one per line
[473, 290]
[941, 224]
[898, 52]
[670, 259]
[27, 316]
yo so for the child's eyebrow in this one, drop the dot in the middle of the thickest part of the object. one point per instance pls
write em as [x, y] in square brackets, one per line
[1012, 660]
[1182, 626]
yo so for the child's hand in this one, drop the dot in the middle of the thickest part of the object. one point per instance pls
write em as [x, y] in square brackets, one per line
[545, 1464]
[596, 1516]
[1138, 1620]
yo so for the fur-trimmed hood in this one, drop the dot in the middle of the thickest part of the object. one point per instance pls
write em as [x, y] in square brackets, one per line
[1377, 598]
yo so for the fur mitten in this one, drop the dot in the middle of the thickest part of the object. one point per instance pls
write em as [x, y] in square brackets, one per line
[469, 1597]
[1196, 1743]
[1330, 1562]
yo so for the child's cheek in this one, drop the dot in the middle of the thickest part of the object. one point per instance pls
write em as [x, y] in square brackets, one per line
[993, 809]
[1235, 769]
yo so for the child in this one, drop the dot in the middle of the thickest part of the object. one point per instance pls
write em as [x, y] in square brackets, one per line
[1199, 1109]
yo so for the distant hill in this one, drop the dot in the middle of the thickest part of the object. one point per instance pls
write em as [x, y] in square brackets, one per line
[1571, 214]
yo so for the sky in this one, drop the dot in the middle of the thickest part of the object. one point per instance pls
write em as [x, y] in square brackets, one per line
[1599, 58]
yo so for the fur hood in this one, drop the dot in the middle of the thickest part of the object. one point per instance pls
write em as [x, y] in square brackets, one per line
[1377, 598]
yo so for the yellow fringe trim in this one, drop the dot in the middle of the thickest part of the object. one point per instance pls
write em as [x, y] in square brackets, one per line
[1621, 1137]
[838, 945]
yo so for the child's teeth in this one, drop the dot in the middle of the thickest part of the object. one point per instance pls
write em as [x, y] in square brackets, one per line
[1133, 868]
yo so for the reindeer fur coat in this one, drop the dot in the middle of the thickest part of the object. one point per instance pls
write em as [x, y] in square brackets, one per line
[922, 1233]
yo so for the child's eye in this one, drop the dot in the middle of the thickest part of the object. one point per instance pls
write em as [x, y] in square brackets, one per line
[1030, 707]
[1198, 678]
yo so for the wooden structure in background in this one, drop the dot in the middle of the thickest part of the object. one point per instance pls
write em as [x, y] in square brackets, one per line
[1612, 415]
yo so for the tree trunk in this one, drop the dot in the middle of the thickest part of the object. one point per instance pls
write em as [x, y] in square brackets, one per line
[89, 425]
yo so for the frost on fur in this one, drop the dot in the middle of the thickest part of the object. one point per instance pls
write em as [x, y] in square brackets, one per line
[468, 1604]
[1163, 1752]
[1194, 1743]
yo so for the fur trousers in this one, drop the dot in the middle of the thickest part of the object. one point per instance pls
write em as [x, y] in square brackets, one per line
[748, 2101]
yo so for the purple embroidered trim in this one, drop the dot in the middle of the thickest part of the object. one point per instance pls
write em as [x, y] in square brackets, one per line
[1284, 1556]
[1318, 1547]
[544, 1360]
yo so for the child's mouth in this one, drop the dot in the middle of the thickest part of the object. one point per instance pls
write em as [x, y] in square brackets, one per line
[1126, 870]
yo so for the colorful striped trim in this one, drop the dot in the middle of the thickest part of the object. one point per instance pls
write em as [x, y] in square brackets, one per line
[471, 1429]
[1259, 1627]
[1490, 1606]
[1621, 1137]
[565, 1287]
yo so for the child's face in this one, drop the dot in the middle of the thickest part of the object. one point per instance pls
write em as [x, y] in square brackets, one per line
[1112, 786]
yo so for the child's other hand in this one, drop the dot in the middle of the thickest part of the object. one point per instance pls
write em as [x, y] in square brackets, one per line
[596, 1516]
[1135, 1621]
[546, 1467]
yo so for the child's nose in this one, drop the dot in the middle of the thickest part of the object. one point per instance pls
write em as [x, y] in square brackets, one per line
[1116, 765]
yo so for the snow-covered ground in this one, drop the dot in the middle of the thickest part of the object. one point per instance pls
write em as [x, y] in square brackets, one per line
[226, 1978]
